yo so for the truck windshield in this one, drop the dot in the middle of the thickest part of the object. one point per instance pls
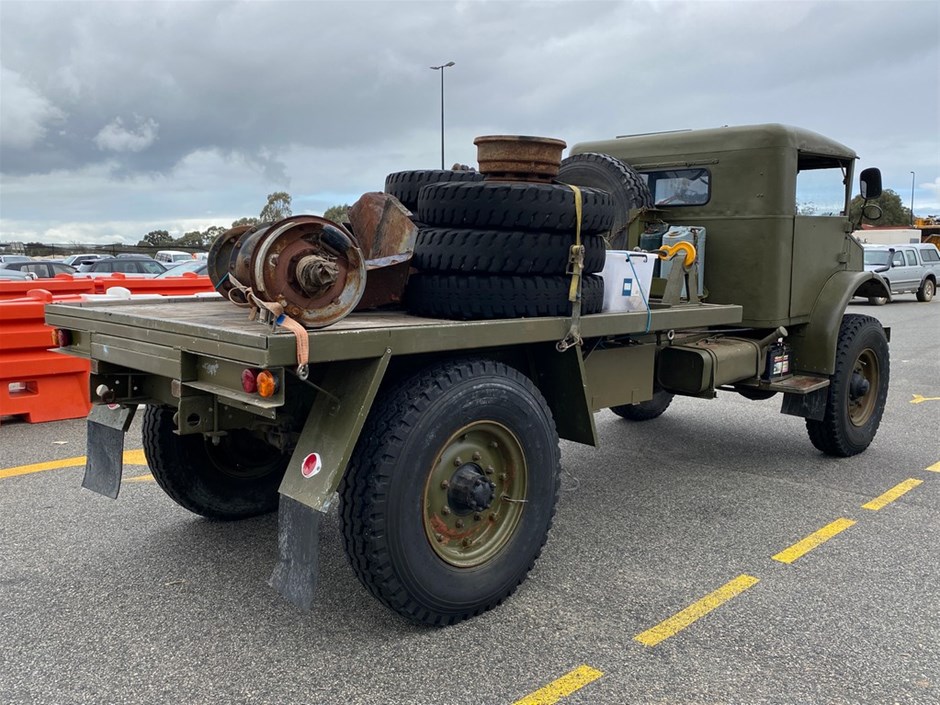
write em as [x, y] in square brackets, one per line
[821, 186]
[877, 257]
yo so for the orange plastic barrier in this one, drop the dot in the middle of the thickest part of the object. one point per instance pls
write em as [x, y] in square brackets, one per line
[62, 284]
[183, 285]
[34, 381]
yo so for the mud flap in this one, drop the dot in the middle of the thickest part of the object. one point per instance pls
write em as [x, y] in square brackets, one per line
[105, 461]
[315, 470]
[298, 565]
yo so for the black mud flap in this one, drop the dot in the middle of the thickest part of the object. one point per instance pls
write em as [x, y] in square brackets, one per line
[105, 461]
[298, 532]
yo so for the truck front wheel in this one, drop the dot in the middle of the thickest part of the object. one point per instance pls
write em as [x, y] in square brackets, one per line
[857, 390]
[235, 478]
[451, 490]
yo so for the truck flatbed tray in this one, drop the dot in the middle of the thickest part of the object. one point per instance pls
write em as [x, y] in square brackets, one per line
[216, 327]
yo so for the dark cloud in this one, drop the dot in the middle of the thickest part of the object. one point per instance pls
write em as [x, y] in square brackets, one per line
[324, 98]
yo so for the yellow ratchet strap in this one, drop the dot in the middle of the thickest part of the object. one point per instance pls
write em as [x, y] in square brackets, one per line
[575, 269]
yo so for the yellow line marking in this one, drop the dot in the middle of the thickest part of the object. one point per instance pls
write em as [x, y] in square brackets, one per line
[935, 467]
[892, 494]
[680, 620]
[920, 399]
[562, 687]
[131, 457]
[140, 478]
[816, 538]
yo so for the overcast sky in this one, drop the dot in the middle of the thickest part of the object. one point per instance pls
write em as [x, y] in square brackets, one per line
[118, 118]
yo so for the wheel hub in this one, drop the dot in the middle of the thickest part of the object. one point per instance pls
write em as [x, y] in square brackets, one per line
[859, 386]
[470, 490]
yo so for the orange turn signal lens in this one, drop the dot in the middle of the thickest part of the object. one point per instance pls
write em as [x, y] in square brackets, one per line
[267, 384]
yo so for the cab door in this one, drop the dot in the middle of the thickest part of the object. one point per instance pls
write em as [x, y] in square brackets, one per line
[904, 270]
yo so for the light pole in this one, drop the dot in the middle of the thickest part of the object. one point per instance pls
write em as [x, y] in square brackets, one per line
[441, 69]
[912, 199]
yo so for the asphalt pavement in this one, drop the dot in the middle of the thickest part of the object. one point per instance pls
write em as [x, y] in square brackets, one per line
[658, 583]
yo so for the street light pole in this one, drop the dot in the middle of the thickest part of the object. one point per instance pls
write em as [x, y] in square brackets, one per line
[912, 199]
[441, 69]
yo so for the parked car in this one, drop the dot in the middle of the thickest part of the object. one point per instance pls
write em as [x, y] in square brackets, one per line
[76, 260]
[195, 266]
[906, 269]
[15, 275]
[43, 269]
[14, 258]
[132, 266]
[167, 256]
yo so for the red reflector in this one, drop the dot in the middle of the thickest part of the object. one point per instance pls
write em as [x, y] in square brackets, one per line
[250, 381]
[61, 338]
[311, 465]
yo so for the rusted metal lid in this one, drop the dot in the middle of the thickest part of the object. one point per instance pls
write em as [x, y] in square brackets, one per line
[519, 157]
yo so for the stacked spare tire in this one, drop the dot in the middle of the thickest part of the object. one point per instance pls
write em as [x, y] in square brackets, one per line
[497, 244]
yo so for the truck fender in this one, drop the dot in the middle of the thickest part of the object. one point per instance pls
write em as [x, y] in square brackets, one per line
[316, 467]
[562, 380]
[814, 345]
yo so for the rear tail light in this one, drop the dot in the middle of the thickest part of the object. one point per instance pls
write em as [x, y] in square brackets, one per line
[61, 338]
[267, 384]
[250, 381]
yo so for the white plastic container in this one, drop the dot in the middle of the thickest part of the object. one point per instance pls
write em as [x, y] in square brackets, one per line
[627, 278]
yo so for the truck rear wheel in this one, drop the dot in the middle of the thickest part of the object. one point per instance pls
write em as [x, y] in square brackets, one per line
[235, 479]
[451, 490]
[645, 410]
[857, 390]
[926, 291]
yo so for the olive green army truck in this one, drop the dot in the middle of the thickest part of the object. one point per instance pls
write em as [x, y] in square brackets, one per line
[440, 438]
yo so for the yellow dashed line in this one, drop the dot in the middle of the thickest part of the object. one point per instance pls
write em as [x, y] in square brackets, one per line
[695, 611]
[816, 538]
[935, 467]
[140, 478]
[131, 457]
[562, 687]
[892, 494]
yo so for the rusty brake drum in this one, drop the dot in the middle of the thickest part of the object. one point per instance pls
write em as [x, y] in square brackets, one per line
[309, 265]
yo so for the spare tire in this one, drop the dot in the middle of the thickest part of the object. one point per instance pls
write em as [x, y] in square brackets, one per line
[514, 206]
[624, 184]
[405, 185]
[469, 297]
[502, 251]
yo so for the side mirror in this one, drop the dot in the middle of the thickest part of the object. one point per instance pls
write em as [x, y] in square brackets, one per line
[870, 183]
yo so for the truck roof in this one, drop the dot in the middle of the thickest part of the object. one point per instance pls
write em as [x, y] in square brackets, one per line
[718, 139]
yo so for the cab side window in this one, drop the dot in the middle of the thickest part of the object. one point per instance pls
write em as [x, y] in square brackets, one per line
[897, 259]
[911, 258]
[930, 255]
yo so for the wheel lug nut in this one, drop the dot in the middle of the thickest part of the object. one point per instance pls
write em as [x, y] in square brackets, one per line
[466, 542]
[492, 517]
[438, 538]
[488, 470]
[445, 484]
[503, 476]
[459, 524]
[458, 462]
[494, 444]
[477, 516]
[476, 455]
[445, 510]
